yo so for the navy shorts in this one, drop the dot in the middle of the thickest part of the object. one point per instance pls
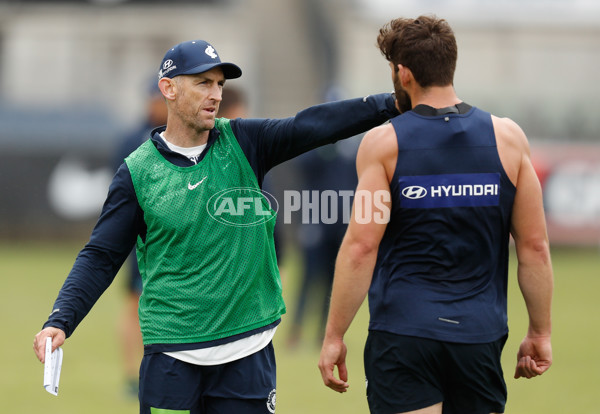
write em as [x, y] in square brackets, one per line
[168, 385]
[406, 373]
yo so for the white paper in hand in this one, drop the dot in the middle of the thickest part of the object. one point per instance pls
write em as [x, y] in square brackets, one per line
[52, 366]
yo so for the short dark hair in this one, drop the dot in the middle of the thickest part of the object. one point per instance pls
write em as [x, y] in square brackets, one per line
[426, 45]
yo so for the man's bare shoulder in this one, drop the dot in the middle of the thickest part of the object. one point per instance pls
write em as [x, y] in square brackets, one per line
[379, 147]
[379, 140]
[509, 133]
[512, 145]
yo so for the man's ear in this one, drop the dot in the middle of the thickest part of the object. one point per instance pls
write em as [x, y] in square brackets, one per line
[405, 75]
[168, 88]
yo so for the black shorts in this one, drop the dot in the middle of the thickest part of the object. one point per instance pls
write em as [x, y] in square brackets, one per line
[406, 373]
[243, 386]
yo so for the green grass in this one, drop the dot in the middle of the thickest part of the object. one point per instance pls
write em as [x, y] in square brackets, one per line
[92, 377]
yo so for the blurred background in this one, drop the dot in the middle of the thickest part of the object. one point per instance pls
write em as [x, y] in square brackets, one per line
[75, 79]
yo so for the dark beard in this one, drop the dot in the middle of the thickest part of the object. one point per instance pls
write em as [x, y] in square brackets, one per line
[403, 100]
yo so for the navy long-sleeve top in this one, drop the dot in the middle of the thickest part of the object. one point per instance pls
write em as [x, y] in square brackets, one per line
[265, 143]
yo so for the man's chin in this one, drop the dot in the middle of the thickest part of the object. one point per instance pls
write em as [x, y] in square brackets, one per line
[209, 123]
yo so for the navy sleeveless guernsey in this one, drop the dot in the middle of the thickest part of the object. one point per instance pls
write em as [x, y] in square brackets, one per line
[442, 265]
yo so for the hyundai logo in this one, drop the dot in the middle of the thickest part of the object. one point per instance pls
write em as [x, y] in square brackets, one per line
[414, 192]
[167, 64]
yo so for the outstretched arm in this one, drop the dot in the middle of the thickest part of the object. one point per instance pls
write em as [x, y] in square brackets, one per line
[269, 142]
[358, 252]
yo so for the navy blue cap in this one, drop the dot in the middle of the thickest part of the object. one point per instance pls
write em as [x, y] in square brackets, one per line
[194, 56]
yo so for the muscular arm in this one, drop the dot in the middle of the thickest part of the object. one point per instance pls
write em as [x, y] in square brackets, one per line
[358, 252]
[528, 229]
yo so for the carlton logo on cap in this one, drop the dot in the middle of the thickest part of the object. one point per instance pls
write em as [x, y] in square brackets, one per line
[193, 57]
[210, 51]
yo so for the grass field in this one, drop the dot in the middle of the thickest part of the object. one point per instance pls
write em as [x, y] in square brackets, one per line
[92, 380]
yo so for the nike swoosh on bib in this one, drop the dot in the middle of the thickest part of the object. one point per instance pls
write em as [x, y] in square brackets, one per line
[192, 186]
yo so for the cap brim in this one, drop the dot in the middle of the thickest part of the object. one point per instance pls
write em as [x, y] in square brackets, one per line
[230, 70]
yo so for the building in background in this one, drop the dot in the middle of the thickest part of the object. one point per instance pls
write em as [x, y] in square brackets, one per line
[71, 72]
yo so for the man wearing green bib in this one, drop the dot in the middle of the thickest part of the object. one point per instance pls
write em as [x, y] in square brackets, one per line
[190, 200]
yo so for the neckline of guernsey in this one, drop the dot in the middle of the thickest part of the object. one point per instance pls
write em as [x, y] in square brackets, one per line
[426, 110]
